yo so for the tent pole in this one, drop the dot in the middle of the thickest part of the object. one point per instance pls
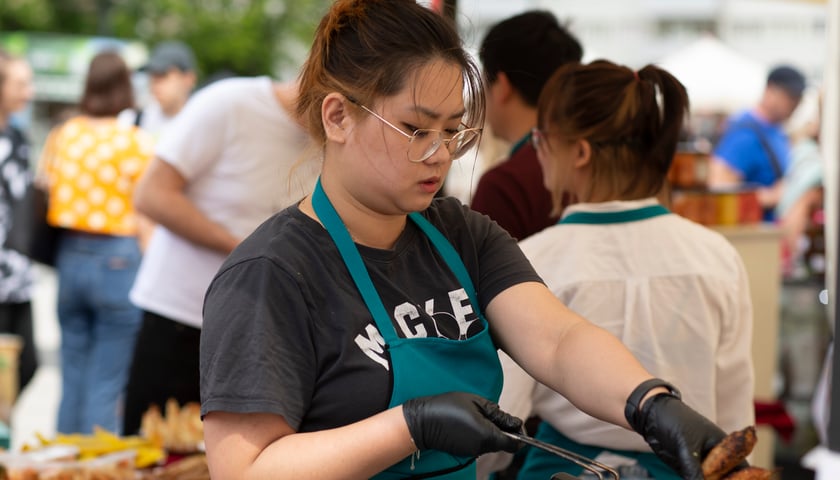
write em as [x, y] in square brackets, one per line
[830, 137]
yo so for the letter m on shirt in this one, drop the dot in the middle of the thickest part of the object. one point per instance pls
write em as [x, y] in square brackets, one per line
[373, 345]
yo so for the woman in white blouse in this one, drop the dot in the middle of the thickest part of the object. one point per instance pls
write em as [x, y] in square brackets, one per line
[674, 292]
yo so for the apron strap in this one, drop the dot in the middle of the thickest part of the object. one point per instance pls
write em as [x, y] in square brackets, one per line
[356, 266]
[353, 261]
[450, 256]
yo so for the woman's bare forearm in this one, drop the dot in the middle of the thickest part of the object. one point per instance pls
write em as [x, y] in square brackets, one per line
[254, 452]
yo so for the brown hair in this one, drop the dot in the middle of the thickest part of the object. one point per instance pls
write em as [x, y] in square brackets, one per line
[631, 119]
[528, 48]
[366, 49]
[107, 86]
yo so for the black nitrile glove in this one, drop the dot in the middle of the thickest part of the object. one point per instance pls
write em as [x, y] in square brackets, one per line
[678, 435]
[460, 423]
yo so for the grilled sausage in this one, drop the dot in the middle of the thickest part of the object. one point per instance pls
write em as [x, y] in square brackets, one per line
[750, 473]
[727, 454]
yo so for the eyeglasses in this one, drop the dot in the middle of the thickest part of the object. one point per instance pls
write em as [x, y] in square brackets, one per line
[424, 142]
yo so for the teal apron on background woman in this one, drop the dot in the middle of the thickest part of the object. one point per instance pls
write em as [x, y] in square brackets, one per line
[542, 465]
[423, 366]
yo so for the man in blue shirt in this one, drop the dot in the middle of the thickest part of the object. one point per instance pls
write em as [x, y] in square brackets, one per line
[754, 149]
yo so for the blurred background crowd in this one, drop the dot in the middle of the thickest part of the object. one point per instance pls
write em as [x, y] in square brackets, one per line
[721, 50]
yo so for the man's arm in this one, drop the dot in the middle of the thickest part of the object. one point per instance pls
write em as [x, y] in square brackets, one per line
[722, 175]
[160, 195]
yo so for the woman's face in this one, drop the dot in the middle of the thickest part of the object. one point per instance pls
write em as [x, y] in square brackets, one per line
[17, 89]
[391, 182]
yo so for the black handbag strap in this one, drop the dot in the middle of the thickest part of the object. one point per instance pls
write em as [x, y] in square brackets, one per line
[753, 125]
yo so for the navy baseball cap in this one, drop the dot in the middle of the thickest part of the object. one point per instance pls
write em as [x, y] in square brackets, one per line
[788, 79]
[168, 55]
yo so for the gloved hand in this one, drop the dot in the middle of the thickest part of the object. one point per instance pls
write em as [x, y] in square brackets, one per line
[460, 423]
[678, 435]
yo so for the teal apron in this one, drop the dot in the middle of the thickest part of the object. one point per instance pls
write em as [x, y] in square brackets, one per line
[423, 366]
[542, 465]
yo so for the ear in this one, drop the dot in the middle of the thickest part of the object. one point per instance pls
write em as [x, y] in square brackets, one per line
[335, 117]
[583, 153]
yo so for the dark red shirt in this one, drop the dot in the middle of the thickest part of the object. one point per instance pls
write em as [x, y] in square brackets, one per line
[513, 195]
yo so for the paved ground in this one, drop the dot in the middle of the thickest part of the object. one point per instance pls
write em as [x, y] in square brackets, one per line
[37, 405]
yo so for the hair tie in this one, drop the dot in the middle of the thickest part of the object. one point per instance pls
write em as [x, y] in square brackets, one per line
[636, 75]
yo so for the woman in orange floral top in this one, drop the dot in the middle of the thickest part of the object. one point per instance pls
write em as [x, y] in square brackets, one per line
[91, 163]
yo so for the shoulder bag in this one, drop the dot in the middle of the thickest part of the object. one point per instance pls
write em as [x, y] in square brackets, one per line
[43, 244]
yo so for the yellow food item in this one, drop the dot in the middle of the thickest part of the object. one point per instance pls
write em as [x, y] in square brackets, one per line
[102, 442]
[148, 456]
[180, 430]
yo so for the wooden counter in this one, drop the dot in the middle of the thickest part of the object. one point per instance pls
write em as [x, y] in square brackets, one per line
[760, 249]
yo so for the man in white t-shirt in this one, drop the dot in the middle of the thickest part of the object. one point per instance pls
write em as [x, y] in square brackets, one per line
[228, 161]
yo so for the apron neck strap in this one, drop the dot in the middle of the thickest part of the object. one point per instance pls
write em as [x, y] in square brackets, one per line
[450, 256]
[356, 265]
[352, 260]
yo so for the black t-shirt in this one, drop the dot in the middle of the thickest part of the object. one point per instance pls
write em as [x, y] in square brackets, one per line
[286, 331]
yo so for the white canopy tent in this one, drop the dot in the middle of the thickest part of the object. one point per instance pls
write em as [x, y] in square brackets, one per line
[718, 78]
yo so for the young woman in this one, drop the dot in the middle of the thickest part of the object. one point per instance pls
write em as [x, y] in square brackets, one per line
[679, 296]
[354, 334]
[92, 164]
[16, 276]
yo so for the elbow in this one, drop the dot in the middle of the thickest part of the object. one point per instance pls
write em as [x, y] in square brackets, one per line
[142, 201]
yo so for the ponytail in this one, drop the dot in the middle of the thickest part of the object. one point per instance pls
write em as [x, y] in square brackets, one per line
[631, 119]
[664, 113]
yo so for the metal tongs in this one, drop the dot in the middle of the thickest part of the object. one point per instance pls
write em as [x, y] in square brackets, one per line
[588, 464]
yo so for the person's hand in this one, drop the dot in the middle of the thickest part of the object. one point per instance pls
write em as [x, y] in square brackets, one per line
[678, 435]
[769, 197]
[460, 423]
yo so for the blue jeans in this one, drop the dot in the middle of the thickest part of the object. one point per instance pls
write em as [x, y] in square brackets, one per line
[99, 328]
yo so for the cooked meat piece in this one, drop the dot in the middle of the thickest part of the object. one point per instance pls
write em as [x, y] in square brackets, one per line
[751, 473]
[727, 454]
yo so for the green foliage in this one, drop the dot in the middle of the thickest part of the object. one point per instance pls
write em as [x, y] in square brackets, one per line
[248, 37]
[25, 15]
